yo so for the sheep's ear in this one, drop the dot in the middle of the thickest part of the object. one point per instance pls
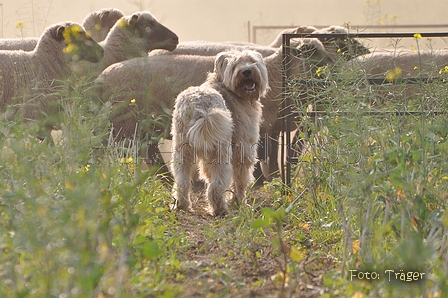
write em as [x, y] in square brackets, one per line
[57, 33]
[104, 14]
[304, 29]
[106, 20]
[134, 19]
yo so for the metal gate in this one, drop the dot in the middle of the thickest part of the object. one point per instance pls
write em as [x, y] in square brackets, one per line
[287, 115]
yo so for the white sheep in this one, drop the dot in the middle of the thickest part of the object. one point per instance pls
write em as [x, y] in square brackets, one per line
[97, 24]
[131, 36]
[308, 47]
[154, 82]
[347, 48]
[209, 48]
[27, 78]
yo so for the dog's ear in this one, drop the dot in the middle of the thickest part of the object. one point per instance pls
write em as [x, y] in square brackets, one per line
[263, 72]
[221, 62]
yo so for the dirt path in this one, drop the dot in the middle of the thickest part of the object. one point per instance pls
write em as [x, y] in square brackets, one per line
[223, 260]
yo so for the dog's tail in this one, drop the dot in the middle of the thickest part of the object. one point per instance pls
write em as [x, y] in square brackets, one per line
[213, 126]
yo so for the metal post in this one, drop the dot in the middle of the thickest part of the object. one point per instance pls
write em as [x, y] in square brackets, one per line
[286, 111]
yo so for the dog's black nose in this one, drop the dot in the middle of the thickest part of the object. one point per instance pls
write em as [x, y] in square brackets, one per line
[247, 72]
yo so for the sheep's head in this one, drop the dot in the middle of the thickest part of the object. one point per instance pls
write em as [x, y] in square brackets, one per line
[147, 33]
[99, 23]
[306, 57]
[74, 42]
[313, 51]
[80, 46]
[347, 47]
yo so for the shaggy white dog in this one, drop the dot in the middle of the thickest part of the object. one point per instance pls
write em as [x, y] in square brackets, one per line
[216, 127]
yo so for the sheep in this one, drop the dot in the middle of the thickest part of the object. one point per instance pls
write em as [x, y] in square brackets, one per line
[340, 50]
[321, 48]
[131, 36]
[97, 24]
[208, 48]
[154, 82]
[421, 63]
[347, 48]
[301, 29]
[306, 45]
[13, 44]
[27, 78]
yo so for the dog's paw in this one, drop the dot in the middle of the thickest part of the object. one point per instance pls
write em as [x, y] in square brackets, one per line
[181, 205]
[220, 212]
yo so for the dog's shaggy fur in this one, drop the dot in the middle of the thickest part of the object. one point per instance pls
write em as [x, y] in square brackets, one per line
[217, 124]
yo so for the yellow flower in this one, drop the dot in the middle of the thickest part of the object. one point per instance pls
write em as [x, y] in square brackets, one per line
[417, 36]
[19, 25]
[415, 67]
[133, 100]
[445, 69]
[69, 185]
[355, 246]
[71, 48]
[339, 50]
[126, 160]
[122, 23]
[393, 74]
[71, 32]
[321, 70]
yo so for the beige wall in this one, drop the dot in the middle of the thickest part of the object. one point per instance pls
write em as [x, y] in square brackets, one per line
[219, 20]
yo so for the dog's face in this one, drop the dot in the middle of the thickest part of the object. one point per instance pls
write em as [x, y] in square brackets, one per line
[244, 73]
